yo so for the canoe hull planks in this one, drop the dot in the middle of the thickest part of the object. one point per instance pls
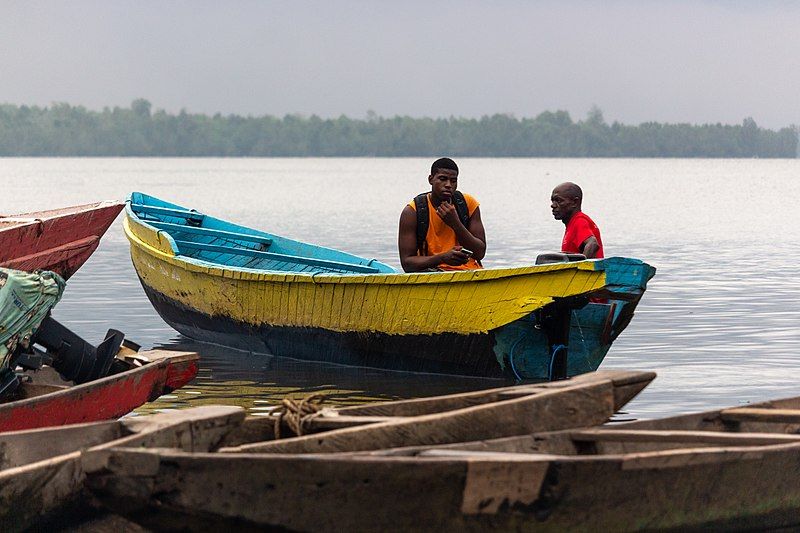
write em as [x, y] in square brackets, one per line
[477, 493]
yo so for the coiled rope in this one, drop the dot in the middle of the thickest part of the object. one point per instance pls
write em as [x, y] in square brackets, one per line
[297, 414]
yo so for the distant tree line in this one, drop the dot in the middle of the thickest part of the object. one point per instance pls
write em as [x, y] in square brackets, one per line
[65, 130]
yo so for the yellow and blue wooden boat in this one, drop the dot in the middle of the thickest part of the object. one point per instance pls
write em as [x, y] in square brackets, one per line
[219, 282]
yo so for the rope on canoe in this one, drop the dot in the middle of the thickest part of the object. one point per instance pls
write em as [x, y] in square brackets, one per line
[297, 414]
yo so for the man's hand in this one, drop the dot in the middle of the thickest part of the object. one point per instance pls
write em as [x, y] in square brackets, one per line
[455, 257]
[447, 212]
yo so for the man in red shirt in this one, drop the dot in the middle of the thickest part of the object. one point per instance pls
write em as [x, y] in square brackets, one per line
[582, 236]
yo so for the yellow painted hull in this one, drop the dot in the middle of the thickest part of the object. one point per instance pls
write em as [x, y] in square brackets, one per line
[465, 302]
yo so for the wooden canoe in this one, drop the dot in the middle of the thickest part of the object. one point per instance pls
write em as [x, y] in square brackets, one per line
[729, 469]
[588, 399]
[219, 282]
[48, 462]
[44, 399]
[42, 472]
[60, 240]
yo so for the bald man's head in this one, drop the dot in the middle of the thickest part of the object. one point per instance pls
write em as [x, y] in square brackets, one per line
[566, 201]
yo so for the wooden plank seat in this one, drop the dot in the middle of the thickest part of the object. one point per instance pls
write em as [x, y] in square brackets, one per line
[141, 209]
[323, 263]
[220, 234]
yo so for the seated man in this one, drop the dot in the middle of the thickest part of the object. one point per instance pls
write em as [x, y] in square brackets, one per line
[581, 235]
[442, 229]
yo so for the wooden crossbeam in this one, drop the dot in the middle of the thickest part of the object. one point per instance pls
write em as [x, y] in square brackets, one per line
[324, 263]
[177, 213]
[221, 234]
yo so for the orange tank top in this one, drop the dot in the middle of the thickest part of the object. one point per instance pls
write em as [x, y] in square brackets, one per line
[442, 238]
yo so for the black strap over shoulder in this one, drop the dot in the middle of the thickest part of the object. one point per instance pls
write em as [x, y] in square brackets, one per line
[423, 217]
[461, 208]
[423, 221]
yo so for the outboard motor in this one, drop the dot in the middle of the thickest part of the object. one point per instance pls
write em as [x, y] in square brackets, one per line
[30, 337]
[75, 359]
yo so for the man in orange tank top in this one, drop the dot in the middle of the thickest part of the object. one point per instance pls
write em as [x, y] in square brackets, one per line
[581, 234]
[450, 243]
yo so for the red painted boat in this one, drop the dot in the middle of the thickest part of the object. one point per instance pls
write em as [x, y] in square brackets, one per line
[137, 378]
[60, 240]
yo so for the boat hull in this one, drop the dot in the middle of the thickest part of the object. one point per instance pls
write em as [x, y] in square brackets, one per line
[518, 350]
[516, 322]
[59, 240]
[449, 353]
[506, 492]
[104, 399]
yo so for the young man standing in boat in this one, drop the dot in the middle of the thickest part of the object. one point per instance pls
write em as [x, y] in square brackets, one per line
[442, 229]
[581, 235]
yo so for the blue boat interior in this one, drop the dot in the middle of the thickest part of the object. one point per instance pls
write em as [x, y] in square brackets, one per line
[197, 236]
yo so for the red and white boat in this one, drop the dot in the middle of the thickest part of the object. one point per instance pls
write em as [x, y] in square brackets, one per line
[60, 240]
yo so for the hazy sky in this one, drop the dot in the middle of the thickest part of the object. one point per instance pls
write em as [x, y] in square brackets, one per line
[677, 61]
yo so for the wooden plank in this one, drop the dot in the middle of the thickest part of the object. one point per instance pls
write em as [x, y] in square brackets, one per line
[324, 263]
[711, 437]
[325, 423]
[30, 490]
[438, 404]
[221, 234]
[632, 381]
[755, 414]
[177, 213]
[18, 448]
[449, 493]
[576, 406]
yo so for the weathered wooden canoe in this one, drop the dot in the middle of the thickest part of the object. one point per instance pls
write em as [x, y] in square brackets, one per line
[730, 469]
[215, 281]
[48, 462]
[60, 240]
[587, 399]
[44, 399]
[42, 472]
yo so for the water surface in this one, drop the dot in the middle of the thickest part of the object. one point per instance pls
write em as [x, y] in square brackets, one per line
[718, 322]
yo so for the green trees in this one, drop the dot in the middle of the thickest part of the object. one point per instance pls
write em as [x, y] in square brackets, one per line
[65, 130]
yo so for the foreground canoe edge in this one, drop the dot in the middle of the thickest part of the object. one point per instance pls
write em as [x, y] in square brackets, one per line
[732, 469]
[67, 460]
[218, 282]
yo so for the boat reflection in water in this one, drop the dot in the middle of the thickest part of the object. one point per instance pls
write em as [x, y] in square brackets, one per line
[258, 382]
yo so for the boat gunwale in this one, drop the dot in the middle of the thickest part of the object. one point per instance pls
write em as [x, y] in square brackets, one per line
[158, 362]
[635, 460]
[461, 276]
[34, 217]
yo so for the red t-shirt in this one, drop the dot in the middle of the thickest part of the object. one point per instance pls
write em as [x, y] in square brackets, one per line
[579, 228]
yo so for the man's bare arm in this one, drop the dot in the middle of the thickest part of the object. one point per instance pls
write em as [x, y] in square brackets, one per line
[478, 233]
[590, 247]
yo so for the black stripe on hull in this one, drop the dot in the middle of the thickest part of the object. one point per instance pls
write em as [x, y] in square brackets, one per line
[447, 353]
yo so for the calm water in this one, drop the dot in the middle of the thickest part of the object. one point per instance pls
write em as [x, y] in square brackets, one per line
[719, 322]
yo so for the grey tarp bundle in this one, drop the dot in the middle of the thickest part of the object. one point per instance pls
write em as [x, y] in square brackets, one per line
[25, 299]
